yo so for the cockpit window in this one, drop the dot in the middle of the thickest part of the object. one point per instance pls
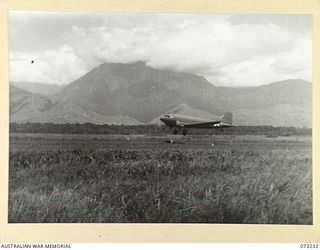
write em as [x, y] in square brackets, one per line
[167, 116]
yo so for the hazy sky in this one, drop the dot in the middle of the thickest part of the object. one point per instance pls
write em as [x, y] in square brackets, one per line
[229, 50]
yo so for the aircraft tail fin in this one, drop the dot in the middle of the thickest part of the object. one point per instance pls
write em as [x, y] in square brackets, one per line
[227, 118]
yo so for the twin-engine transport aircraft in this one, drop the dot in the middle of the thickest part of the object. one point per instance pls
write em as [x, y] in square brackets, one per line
[183, 123]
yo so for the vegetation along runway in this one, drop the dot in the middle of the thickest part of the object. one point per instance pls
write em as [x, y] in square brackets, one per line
[146, 178]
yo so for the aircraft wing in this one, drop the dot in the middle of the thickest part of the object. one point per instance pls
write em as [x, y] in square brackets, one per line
[199, 124]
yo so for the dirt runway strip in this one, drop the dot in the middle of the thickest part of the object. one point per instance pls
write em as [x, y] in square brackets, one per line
[27, 142]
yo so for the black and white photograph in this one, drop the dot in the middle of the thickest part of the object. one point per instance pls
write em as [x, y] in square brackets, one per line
[160, 118]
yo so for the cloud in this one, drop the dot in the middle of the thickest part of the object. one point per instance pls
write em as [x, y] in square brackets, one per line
[299, 58]
[226, 53]
[78, 30]
[296, 62]
[59, 66]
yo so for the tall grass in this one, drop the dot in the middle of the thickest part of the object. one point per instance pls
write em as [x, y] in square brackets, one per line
[168, 186]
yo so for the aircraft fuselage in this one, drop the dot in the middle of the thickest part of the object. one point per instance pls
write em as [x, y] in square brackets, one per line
[183, 122]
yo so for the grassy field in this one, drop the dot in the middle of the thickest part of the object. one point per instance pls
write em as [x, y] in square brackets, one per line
[158, 184]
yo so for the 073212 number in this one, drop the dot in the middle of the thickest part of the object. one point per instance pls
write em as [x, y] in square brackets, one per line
[309, 246]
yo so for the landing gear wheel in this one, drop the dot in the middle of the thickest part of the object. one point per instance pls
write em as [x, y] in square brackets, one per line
[175, 131]
[184, 132]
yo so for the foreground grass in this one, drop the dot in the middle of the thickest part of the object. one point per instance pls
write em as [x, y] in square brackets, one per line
[169, 186]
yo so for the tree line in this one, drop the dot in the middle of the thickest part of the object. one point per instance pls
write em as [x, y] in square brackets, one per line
[89, 128]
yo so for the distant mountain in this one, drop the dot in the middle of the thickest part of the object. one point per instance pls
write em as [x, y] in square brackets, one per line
[285, 114]
[292, 91]
[136, 93]
[29, 107]
[23, 103]
[38, 88]
[134, 90]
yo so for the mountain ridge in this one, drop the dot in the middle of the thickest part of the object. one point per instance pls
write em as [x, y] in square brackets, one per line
[137, 93]
[38, 87]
